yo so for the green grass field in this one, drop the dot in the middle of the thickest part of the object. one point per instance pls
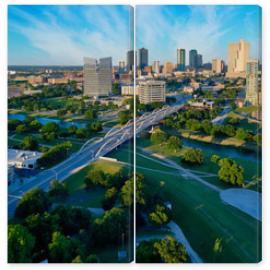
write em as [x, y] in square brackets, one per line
[76, 187]
[202, 216]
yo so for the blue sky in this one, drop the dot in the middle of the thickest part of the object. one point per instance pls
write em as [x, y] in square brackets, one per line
[209, 29]
[63, 35]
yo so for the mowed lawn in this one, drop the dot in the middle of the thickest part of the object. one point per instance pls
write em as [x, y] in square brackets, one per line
[252, 167]
[89, 197]
[203, 217]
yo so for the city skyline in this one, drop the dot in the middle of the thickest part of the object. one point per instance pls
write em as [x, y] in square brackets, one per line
[64, 34]
[215, 26]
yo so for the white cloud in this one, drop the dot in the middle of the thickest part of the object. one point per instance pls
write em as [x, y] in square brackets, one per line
[105, 33]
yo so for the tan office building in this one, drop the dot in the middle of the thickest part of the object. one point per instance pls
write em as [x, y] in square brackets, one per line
[238, 55]
[168, 67]
[152, 91]
[217, 66]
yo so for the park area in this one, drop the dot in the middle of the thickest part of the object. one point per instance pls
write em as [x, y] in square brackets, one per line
[198, 209]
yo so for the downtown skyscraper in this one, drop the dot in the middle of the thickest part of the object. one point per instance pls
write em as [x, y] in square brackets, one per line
[142, 58]
[130, 60]
[238, 55]
[97, 77]
[181, 59]
[253, 83]
[193, 55]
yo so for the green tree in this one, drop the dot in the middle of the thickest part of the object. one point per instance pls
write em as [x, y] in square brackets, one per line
[109, 198]
[174, 143]
[95, 177]
[116, 90]
[193, 156]
[171, 251]
[81, 133]
[20, 244]
[72, 129]
[231, 172]
[127, 191]
[92, 258]
[241, 134]
[33, 202]
[233, 121]
[111, 226]
[193, 124]
[35, 125]
[13, 123]
[90, 114]
[158, 136]
[57, 189]
[124, 117]
[160, 216]
[21, 128]
[71, 220]
[41, 226]
[147, 253]
[60, 249]
[258, 139]
[50, 127]
[50, 131]
[95, 126]
[29, 143]
[215, 158]
[55, 154]
[206, 126]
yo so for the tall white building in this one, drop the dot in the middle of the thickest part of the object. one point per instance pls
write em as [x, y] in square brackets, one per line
[97, 77]
[217, 66]
[238, 55]
[156, 67]
[151, 91]
[253, 83]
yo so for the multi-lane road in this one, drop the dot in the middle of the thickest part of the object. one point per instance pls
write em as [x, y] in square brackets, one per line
[90, 152]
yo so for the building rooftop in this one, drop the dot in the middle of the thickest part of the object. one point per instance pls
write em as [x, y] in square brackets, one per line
[15, 155]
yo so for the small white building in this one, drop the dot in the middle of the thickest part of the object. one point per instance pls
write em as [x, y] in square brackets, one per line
[21, 159]
[128, 90]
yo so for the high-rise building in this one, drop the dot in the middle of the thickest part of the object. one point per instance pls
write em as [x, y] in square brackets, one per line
[151, 91]
[168, 67]
[142, 58]
[130, 60]
[122, 67]
[97, 77]
[238, 55]
[156, 67]
[199, 61]
[193, 59]
[253, 82]
[181, 59]
[217, 66]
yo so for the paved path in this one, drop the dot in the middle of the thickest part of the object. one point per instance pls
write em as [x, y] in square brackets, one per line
[180, 237]
[246, 200]
[184, 172]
